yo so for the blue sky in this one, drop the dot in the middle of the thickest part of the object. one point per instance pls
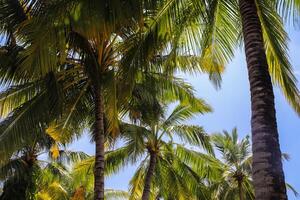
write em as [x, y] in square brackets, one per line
[231, 106]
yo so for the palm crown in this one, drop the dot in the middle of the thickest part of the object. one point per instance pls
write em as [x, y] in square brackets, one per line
[236, 158]
[152, 141]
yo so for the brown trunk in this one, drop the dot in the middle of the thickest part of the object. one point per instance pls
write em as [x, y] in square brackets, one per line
[99, 140]
[241, 195]
[268, 174]
[149, 175]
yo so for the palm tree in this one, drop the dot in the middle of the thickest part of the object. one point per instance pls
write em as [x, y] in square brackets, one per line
[235, 181]
[94, 48]
[23, 171]
[261, 27]
[236, 178]
[19, 173]
[267, 167]
[61, 183]
[85, 35]
[218, 47]
[51, 179]
[148, 141]
[75, 111]
[165, 167]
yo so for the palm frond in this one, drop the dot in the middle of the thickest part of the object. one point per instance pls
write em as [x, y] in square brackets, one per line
[137, 182]
[291, 188]
[23, 125]
[54, 191]
[289, 10]
[221, 33]
[275, 39]
[184, 112]
[204, 165]
[71, 157]
[194, 135]
[14, 167]
[15, 96]
[111, 194]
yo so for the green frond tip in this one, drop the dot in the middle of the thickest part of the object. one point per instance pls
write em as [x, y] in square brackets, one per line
[292, 189]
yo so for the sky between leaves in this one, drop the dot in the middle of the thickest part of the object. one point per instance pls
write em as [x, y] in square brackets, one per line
[231, 106]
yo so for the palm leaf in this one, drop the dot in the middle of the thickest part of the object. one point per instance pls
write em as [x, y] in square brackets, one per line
[115, 194]
[194, 135]
[275, 39]
[184, 112]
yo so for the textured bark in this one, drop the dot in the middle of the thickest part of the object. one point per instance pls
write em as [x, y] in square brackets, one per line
[99, 140]
[149, 175]
[268, 174]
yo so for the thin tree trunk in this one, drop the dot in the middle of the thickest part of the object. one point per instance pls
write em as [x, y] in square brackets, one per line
[268, 176]
[241, 195]
[149, 175]
[99, 140]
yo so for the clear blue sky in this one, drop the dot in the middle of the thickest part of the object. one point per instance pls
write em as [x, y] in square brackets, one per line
[232, 108]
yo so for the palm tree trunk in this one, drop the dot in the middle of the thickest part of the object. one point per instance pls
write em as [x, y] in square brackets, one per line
[268, 176]
[149, 175]
[240, 190]
[99, 140]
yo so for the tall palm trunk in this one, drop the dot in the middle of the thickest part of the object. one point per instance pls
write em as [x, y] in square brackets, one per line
[99, 140]
[268, 174]
[149, 175]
